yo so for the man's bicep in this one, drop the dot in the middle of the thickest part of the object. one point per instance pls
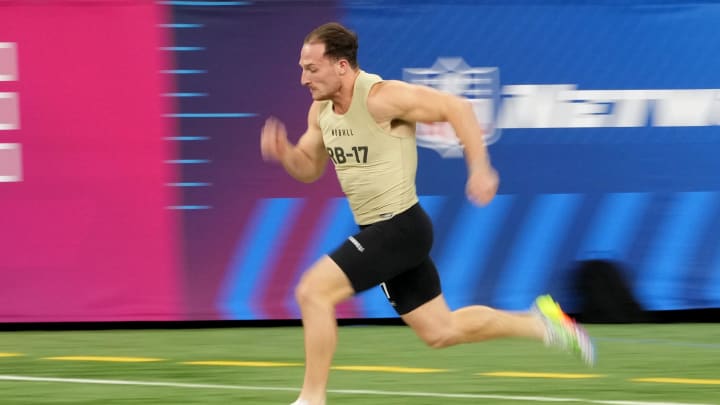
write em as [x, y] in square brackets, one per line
[312, 141]
[312, 145]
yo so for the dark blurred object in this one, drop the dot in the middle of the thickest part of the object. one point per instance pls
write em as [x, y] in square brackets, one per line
[604, 295]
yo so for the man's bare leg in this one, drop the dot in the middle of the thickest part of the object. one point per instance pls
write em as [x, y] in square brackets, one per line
[322, 287]
[439, 327]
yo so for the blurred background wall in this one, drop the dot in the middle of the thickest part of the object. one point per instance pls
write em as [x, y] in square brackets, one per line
[132, 188]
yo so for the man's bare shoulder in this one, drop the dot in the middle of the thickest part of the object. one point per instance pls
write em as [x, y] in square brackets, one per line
[316, 109]
[317, 106]
[389, 88]
[387, 98]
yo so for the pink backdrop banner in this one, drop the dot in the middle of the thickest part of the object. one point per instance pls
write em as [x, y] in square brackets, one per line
[86, 234]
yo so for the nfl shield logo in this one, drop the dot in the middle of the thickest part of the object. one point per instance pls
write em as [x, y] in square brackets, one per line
[480, 85]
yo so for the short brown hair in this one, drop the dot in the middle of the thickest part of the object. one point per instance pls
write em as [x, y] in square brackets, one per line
[340, 42]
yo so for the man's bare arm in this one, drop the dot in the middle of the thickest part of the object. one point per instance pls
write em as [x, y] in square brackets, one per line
[399, 100]
[305, 161]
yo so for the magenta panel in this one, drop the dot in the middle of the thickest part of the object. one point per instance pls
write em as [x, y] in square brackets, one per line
[86, 235]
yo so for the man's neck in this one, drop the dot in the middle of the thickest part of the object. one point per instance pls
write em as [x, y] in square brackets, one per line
[341, 103]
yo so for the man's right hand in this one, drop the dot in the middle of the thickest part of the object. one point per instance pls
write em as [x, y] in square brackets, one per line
[274, 144]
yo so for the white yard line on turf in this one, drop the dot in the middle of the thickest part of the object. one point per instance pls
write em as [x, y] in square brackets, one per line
[341, 392]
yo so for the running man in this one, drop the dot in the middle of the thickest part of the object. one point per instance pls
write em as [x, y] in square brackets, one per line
[366, 127]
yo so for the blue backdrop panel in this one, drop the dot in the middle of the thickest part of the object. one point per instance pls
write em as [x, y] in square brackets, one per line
[603, 121]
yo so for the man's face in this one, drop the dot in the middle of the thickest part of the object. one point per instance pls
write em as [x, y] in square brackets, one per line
[320, 74]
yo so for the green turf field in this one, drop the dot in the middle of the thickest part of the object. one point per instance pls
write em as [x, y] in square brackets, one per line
[637, 364]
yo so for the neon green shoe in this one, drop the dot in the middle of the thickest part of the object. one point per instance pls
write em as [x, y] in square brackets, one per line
[562, 331]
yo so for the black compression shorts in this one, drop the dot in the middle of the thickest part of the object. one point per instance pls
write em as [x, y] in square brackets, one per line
[395, 252]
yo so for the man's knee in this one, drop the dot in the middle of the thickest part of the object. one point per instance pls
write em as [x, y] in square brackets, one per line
[305, 292]
[323, 284]
[312, 290]
[438, 339]
[434, 324]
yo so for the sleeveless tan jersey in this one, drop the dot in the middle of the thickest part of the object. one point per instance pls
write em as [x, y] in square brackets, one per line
[375, 162]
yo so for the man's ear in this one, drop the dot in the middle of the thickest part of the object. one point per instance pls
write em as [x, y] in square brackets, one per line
[343, 66]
